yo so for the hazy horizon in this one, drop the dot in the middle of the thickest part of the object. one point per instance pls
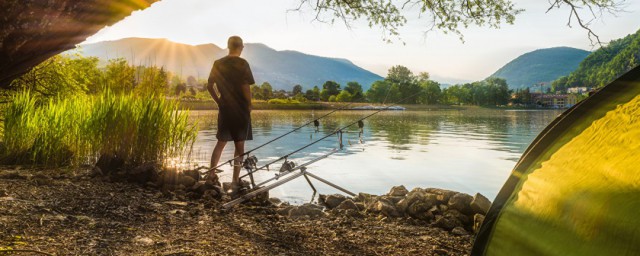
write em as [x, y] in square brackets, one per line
[444, 56]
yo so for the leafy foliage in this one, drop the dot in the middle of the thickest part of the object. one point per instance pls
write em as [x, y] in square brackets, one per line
[604, 65]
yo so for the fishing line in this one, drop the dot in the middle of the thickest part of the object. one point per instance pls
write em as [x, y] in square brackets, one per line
[314, 121]
[337, 131]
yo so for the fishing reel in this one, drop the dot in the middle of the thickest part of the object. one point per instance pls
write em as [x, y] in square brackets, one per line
[287, 166]
[250, 163]
[316, 123]
[361, 127]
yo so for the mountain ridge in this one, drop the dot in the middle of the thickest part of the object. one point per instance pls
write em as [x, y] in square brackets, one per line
[541, 66]
[282, 69]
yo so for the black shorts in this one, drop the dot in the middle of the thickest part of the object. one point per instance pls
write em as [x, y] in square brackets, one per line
[234, 125]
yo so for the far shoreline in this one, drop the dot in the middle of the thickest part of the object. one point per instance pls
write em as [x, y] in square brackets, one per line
[198, 105]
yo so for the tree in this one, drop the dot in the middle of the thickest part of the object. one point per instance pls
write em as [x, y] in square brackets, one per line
[355, 89]
[313, 94]
[256, 92]
[449, 15]
[120, 77]
[383, 92]
[296, 89]
[343, 96]
[431, 93]
[329, 88]
[58, 75]
[267, 91]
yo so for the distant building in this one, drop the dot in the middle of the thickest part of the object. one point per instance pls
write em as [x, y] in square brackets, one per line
[577, 90]
[554, 100]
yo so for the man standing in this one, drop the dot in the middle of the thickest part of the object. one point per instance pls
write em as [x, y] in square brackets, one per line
[232, 78]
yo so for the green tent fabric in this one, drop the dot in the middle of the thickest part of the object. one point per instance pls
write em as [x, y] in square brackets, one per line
[576, 189]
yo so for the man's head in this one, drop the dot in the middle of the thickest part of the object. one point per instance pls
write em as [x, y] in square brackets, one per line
[235, 45]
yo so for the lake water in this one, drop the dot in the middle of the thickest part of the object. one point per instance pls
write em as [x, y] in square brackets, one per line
[470, 150]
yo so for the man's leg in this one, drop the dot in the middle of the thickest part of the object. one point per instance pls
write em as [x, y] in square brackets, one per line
[237, 165]
[217, 152]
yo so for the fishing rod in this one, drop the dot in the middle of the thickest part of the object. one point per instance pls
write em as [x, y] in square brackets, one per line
[314, 121]
[251, 170]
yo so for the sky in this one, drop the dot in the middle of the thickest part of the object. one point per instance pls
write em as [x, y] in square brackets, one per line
[444, 56]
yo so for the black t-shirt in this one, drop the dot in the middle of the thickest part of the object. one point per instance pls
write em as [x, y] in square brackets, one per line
[230, 73]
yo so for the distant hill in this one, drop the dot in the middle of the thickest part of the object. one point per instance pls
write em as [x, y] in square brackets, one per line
[543, 65]
[604, 65]
[282, 69]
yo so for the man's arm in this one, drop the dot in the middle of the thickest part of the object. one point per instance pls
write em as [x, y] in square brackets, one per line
[246, 92]
[213, 93]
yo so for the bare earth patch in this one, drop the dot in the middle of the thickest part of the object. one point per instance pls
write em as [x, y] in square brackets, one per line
[67, 213]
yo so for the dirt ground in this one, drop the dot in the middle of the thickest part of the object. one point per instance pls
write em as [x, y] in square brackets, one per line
[65, 212]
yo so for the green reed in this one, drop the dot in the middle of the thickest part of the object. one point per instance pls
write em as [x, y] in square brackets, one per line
[78, 130]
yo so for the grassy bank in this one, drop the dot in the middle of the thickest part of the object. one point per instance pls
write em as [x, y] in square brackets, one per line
[78, 130]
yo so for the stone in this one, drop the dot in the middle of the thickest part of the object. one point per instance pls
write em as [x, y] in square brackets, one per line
[347, 205]
[186, 181]
[477, 222]
[284, 211]
[143, 240]
[385, 208]
[443, 195]
[332, 201]
[310, 210]
[398, 191]
[275, 201]
[466, 221]
[459, 231]
[420, 209]
[360, 206]
[192, 173]
[415, 196]
[200, 187]
[446, 222]
[393, 199]
[365, 198]
[143, 173]
[480, 204]
[461, 202]
[96, 172]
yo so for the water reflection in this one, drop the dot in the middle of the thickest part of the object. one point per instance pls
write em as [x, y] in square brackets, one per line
[469, 150]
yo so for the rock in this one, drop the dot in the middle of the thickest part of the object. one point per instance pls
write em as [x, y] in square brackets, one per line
[211, 194]
[186, 181]
[192, 173]
[96, 172]
[284, 211]
[466, 221]
[420, 209]
[143, 173]
[443, 208]
[176, 203]
[393, 199]
[143, 241]
[361, 206]
[365, 198]
[428, 200]
[3, 193]
[261, 198]
[398, 191]
[384, 207]
[459, 231]
[275, 201]
[443, 195]
[480, 204]
[477, 222]
[461, 202]
[332, 201]
[446, 222]
[347, 204]
[110, 163]
[311, 210]
[200, 187]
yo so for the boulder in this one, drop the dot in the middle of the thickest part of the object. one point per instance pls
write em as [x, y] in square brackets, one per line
[331, 201]
[186, 181]
[446, 222]
[384, 207]
[201, 186]
[459, 231]
[365, 198]
[275, 201]
[398, 191]
[464, 219]
[393, 199]
[443, 195]
[477, 222]
[427, 200]
[347, 205]
[480, 204]
[144, 173]
[284, 211]
[311, 210]
[420, 210]
[461, 202]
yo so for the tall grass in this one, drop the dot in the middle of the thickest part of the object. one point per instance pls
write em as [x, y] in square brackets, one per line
[78, 130]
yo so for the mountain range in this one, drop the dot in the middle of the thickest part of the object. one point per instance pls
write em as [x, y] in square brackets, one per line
[541, 66]
[282, 69]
